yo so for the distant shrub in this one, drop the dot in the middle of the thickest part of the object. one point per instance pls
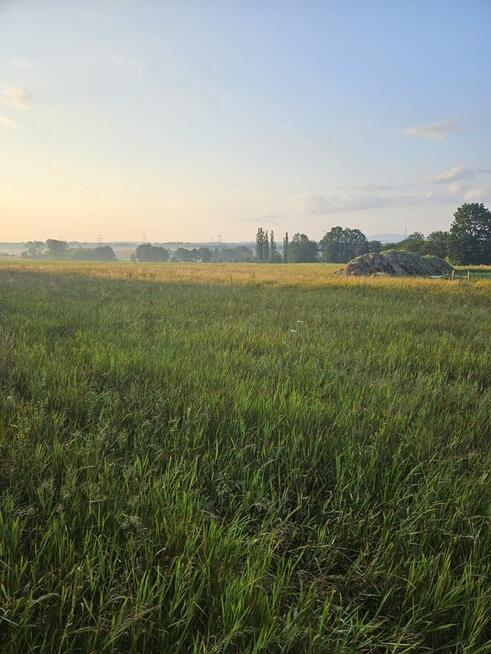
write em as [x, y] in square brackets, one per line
[149, 252]
[102, 253]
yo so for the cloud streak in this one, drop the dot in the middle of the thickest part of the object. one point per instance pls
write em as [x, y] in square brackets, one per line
[371, 187]
[347, 202]
[435, 132]
[476, 194]
[356, 201]
[458, 173]
[16, 97]
[7, 121]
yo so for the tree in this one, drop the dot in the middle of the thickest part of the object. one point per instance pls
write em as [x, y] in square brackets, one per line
[362, 247]
[183, 254]
[149, 252]
[302, 250]
[415, 242]
[285, 247]
[55, 248]
[272, 246]
[388, 245]
[266, 247]
[205, 254]
[437, 244]
[34, 250]
[264, 250]
[100, 253]
[374, 247]
[470, 235]
[261, 245]
[340, 245]
[234, 254]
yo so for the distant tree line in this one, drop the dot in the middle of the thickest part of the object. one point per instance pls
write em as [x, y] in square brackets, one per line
[55, 249]
[147, 252]
[467, 242]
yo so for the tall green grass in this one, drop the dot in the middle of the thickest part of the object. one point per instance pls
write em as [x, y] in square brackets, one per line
[192, 467]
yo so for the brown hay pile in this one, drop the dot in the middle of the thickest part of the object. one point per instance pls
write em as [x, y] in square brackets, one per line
[397, 263]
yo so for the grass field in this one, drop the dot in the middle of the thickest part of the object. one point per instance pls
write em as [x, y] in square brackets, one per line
[243, 458]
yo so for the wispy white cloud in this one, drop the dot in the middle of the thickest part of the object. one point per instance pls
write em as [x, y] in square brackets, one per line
[453, 193]
[16, 97]
[371, 187]
[458, 173]
[347, 198]
[454, 189]
[7, 121]
[123, 62]
[346, 202]
[358, 201]
[435, 132]
[476, 194]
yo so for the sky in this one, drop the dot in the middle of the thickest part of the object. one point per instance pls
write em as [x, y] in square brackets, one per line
[189, 119]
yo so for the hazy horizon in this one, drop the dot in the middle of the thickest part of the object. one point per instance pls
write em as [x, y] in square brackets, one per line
[185, 120]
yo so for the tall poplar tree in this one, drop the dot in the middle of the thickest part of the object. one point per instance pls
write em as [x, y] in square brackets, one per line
[285, 248]
[266, 247]
[272, 247]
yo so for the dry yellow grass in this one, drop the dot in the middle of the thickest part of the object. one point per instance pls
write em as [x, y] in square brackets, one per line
[297, 275]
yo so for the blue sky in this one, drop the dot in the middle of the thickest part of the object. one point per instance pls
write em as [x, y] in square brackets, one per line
[184, 120]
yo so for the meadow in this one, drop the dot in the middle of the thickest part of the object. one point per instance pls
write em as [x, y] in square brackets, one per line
[243, 459]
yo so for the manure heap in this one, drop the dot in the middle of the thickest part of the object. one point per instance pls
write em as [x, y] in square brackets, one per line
[397, 263]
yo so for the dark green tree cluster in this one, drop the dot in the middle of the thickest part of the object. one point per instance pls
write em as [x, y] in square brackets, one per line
[56, 249]
[340, 245]
[100, 253]
[240, 253]
[266, 250]
[468, 241]
[146, 252]
[213, 255]
[193, 255]
[302, 250]
[262, 245]
[35, 250]
[53, 248]
[435, 243]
